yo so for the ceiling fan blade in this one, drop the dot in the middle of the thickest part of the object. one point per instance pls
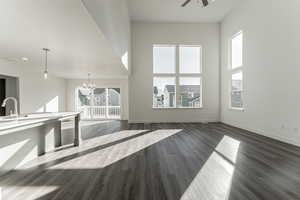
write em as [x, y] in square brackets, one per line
[205, 2]
[185, 3]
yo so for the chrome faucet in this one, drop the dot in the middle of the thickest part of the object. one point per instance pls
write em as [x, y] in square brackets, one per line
[16, 114]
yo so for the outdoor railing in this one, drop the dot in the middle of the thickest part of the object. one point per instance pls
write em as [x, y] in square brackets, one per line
[100, 112]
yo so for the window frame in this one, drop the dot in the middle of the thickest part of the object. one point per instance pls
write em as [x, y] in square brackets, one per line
[177, 75]
[236, 70]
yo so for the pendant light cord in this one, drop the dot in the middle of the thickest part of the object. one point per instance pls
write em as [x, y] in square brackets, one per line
[46, 62]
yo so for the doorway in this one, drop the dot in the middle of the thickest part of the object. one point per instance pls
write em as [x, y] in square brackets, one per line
[2, 96]
[99, 103]
[9, 87]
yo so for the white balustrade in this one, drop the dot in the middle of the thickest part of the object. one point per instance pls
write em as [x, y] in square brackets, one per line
[100, 112]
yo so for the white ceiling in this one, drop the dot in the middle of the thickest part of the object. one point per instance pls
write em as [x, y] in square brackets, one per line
[64, 26]
[171, 11]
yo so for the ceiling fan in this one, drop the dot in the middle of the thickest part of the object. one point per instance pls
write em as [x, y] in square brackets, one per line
[205, 3]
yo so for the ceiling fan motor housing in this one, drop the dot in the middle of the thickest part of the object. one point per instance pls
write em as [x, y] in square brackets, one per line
[205, 3]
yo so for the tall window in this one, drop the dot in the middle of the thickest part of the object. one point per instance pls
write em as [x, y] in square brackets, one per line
[177, 76]
[236, 70]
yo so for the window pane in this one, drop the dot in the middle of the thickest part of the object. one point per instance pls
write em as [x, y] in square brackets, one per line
[237, 51]
[164, 92]
[189, 59]
[84, 97]
[114, 96]
[114, 102]
[164, 59]
[100, 97]
[237, 90]
[190, 92]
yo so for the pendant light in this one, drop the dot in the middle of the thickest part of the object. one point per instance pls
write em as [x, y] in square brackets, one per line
[46, 62]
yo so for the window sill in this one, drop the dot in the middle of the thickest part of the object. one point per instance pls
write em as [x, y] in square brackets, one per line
[237, 109]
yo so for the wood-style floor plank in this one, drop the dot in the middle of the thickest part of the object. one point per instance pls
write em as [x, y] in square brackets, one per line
[180, 161]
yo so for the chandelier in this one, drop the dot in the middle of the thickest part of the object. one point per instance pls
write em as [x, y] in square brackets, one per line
[89, 84]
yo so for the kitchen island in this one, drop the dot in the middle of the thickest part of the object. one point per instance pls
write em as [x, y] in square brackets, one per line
[31, 135]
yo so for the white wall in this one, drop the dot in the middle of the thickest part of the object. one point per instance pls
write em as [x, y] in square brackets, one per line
[144, 35]
[36, 94]
[113, 20]
[72, 84]
[271, 68]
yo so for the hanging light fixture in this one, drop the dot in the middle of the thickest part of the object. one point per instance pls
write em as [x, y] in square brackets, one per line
[46, 62]
[89, 84]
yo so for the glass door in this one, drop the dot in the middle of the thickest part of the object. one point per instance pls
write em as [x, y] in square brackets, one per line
[83, 102]
[114, 103]
[99, 103]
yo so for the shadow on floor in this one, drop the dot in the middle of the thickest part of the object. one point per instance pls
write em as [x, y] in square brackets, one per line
[151, 170]
[162, 162]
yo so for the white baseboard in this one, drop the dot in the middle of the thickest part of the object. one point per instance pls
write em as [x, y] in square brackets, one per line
[152, 121]
[265, 133]
[253, 130]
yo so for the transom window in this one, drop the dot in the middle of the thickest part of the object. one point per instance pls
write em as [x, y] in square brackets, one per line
[236, 71]
[177, 76]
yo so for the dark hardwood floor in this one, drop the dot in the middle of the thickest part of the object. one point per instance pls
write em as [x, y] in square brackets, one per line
[120, 161]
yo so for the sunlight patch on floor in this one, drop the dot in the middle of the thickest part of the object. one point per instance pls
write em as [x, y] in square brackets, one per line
[107, 156]
[229, 148]
[213, 182]
[85, 146]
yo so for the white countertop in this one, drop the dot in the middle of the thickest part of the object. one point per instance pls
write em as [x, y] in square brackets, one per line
[34, 119]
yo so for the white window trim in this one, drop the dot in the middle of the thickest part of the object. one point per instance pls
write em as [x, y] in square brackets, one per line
[177, 75]
[234, 71]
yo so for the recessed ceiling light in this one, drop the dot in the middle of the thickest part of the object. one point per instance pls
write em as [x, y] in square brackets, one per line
[25, 59]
